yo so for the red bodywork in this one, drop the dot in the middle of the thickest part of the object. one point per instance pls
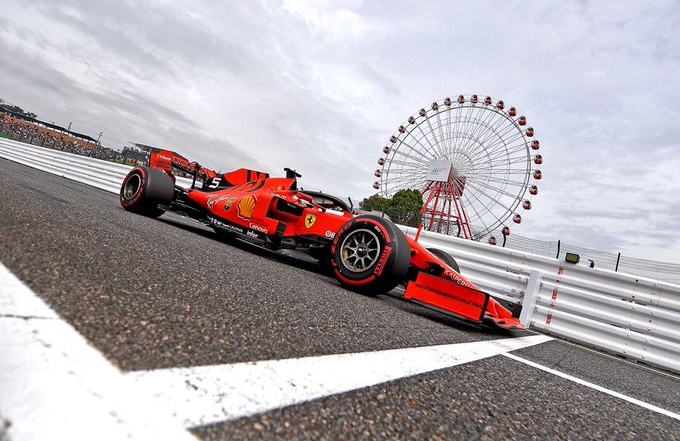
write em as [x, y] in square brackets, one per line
[274, 211]
[450, 292]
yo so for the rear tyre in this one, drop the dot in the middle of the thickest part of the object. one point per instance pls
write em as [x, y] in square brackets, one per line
[446, 257]
[370, 255]
[143, 189]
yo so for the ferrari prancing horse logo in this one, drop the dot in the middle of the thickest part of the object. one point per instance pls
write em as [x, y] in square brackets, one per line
[309, 220]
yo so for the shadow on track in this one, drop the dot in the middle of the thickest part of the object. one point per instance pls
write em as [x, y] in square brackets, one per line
[306, 263]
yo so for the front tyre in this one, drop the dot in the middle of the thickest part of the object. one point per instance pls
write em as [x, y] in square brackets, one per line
[370, 255]
[144, 188]
[446, 258]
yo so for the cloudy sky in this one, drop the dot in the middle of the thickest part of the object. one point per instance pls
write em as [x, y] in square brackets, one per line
[320, 86]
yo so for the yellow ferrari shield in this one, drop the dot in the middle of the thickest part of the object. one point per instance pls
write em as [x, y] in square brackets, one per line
[309, 220]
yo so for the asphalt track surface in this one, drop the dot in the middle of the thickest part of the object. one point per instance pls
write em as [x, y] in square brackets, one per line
[157, 294]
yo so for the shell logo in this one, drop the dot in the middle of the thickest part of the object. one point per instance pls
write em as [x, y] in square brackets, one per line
[246, 206]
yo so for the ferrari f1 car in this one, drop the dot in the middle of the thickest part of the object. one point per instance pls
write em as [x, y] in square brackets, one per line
[367, 254]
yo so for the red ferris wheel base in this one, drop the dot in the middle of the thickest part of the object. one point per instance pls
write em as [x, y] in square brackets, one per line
[442, 201]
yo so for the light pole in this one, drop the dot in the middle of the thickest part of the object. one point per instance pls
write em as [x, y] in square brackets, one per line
[99, 137]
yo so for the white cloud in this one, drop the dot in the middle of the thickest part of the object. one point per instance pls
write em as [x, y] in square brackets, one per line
[321, 85]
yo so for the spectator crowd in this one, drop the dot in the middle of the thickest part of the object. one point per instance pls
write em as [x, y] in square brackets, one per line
[37, 134]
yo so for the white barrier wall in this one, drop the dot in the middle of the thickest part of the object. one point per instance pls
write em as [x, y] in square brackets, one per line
[631, 316]
[97, 173]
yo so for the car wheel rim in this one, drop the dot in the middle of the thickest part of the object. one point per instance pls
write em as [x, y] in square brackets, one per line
[360, 250]
[132, 187]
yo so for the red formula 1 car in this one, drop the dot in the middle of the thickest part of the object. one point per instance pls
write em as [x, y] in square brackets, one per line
[367, 254]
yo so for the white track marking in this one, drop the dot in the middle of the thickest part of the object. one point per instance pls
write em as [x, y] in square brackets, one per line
[54, 385]
[590, 385]
[210, 394]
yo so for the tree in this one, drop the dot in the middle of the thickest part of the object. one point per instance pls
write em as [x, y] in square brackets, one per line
[405, 206]
[375, 202]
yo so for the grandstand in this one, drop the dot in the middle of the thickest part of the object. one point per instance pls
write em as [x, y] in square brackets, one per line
[34, 131]
[27, 129]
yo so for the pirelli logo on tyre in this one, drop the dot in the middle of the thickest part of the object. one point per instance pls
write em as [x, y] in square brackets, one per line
[380, 230]
[380, 266]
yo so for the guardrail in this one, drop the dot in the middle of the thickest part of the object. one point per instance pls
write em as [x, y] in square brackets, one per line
[632, 316]
[636, 317]
[97, 173]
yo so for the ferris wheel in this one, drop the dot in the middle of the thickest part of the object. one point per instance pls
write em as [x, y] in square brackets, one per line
[474, 162]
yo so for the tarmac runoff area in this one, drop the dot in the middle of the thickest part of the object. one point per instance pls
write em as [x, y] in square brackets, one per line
[175, 343]
[56, 386]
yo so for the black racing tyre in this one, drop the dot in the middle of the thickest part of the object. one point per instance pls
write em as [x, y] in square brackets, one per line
[446, 257]
[144, 188]
[370, 255]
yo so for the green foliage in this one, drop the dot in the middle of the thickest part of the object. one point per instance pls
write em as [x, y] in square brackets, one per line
[403, 208]
[375, 202]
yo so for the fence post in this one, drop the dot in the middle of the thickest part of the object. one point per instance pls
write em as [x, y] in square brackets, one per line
[530, 296]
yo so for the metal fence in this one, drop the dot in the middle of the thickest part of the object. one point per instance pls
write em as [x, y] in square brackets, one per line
[668, 272]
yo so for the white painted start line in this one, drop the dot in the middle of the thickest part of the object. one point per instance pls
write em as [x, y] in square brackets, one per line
[210, 394]
[55, 385]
